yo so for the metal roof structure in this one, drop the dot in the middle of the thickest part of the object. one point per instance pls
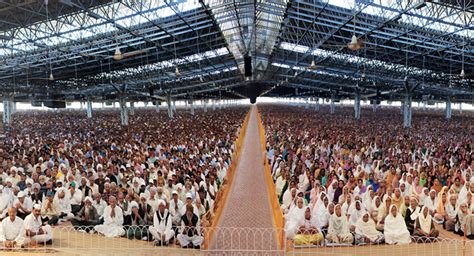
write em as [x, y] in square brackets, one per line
[149, 49]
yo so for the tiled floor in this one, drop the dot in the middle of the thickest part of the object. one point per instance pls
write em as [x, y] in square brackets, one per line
[246, 223]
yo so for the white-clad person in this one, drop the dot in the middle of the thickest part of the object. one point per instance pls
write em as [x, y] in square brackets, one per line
[99, 204]
[113, 220]
[23, 204]
[174, 207]
[35, 231]
[162, 229]
[4, 203]
[294, 218]
[190, 232]
[366, 231]
[75, 197]
[12, 230]
[65, 210]
[395, 229]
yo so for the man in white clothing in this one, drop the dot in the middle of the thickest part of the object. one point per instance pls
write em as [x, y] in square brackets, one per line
[99, 204]
[65, 211]
[24, 204]
[12, 230]
[175, 205]
[4, 203]
[113, 220]
[34, 228]
[162, 225]
[75, 198]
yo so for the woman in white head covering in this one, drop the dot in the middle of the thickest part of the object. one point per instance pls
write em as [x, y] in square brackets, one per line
[366, 232]
[375, 208]
[369, 196]
[395, 230]
[308, 232]
[466, 221]
[322, 213]
[411, 214]
[338, 230]
[332, 190]
[355, 213]
[294, 217]
[424, 227]
[384, 210]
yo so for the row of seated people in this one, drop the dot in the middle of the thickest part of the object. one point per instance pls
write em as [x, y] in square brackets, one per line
[381, 176]
[117, 181]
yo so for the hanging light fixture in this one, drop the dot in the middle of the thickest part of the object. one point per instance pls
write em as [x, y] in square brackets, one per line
[118, 54]
[201, 79]
[51, 77]
[463, 74]
[313, 65]
[354, 44]
[176, 71]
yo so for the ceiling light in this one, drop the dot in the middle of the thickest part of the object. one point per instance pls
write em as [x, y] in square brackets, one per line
[354, 44]
[313, 65]
[51, 77]
[118, 54]
[463, 74]
[176, 72]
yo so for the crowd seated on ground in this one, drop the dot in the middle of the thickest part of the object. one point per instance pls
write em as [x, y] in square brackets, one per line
[153, 180]
[372, 181]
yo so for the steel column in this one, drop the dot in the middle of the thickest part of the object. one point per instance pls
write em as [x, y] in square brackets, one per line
[123, 112]
[407, 111]
[89, 109]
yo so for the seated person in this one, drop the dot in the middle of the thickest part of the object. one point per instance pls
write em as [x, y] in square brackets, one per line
[466, 221]
[137, 229]
[366, 231]
[12, 230]
[4, 203]
[411, 214]
[65, 210]
[113, 220]
[424, 227]
[50, 209]
[35, 231]
[338, 230]
[23, 204]
[294, 218]
[308, 233]
[86, 218]
[451, 210]
[190, 233]
[162, 225]
[395, 229]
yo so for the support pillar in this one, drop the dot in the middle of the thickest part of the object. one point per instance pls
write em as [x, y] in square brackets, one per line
[333, 106]
[214, 104]
[123, 112]
[157, 106]
[132, 108]
[307, 103]
[89, 109]
[424, 105]
[205, 105]
[357, 106]
[374, 106]
[192, 106]
[407, 111]
[13, 107]
[174, 106]
[316, 106]
[460, 107]
[170, 107]
[449, 111]
[7, 112]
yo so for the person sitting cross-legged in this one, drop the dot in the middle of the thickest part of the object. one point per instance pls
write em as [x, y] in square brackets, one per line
[162, 225]
[424, 227]
[190, 236]
[12, 230]
[35, 231]
[86, 218]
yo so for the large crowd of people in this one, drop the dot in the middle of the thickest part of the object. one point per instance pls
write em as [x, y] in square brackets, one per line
[344, 182]
[152, 180]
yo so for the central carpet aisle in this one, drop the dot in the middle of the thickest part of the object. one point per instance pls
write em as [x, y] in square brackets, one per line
[246, 223]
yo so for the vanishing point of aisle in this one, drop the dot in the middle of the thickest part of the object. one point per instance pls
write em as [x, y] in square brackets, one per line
[246, 223]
